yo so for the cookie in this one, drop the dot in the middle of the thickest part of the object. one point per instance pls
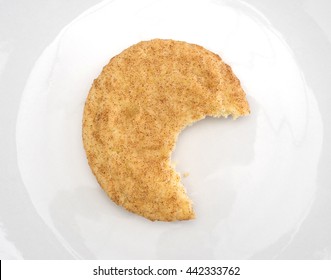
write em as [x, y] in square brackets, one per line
[143, 98]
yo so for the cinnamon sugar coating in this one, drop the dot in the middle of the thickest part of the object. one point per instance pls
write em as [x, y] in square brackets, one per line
[143, 98]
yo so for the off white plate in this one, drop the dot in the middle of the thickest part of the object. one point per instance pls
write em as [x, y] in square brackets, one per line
[254, 181]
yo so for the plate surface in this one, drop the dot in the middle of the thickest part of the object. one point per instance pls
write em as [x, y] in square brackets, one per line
[259, 184]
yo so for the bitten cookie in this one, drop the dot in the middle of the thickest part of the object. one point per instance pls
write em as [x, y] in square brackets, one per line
[143, 98]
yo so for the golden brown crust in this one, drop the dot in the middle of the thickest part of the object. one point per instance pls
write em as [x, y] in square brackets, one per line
[134, 112]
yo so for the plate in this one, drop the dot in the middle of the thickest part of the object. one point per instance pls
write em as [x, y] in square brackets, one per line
[258, 183]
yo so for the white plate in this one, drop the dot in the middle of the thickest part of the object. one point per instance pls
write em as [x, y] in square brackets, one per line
[256, 182]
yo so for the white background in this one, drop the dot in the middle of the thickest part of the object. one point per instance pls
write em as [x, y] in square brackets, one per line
[257, 270]
[26, 28]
